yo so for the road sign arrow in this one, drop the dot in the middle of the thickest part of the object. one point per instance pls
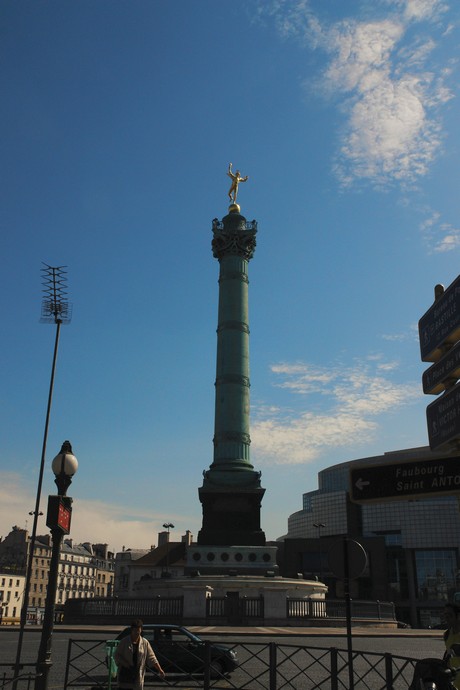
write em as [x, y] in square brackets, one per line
[360, 484]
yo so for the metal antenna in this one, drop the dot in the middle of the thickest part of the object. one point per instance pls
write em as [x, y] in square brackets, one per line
[55, 309]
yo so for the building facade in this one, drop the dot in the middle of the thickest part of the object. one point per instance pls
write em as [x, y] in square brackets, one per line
[413, 545]
[85, 570]
[123, 562]
[11, 593]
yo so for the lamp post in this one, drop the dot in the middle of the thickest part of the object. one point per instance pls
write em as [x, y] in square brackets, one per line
[168, 526]
[318, 526]
[58, 519]
[55, 309]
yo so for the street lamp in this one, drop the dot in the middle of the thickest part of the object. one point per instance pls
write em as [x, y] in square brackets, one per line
[318, 526]
[168, 526]
[58, 519]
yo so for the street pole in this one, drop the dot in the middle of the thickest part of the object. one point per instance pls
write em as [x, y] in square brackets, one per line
[55, 309]
[44, 653]
[346, 587]
[168, 526]
[58, 520]
[318, 525]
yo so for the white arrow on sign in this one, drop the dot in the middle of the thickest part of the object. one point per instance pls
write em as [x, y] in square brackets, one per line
[360, 484]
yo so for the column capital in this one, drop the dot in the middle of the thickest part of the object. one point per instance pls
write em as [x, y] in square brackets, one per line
[234, 236]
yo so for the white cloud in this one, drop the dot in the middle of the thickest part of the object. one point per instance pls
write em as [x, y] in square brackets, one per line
[418, 10]
[359, 51]
[355, 397]
[392, 130]
[302, 378]
[440, 236]
[389, 133]
[451, 239]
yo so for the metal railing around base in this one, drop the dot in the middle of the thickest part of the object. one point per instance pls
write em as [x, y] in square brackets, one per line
[241, 610]
[336, 608]
[107, 610]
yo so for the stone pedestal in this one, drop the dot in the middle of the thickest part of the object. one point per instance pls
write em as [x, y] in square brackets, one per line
[275, 602]
[195, 601]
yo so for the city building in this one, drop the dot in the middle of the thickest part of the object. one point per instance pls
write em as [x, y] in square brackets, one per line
[11, 593]
[166, 560]
[413, 545]
[14, 549]
[123, 561]
[104, 561]
[85, 570]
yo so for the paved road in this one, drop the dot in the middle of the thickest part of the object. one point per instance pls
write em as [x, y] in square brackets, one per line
[406, 643]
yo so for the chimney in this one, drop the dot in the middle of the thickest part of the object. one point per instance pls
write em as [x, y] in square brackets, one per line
[187, 538]
[163, 538]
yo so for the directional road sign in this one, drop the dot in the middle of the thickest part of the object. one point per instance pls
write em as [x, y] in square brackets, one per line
[440, 325]
[441, 374]
[443, 418]
[405, 480]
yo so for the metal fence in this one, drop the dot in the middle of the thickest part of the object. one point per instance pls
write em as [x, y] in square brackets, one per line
[231, 610]
[160, 609]
[220, 609]
[25, 680]
[336, 608]
[262, 666]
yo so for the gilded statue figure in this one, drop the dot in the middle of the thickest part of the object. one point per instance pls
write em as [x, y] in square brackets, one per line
[236, 179]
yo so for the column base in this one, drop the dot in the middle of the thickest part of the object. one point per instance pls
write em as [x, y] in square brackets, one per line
[231, 517]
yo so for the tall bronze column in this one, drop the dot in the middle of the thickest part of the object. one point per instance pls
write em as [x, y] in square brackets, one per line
[231, 494]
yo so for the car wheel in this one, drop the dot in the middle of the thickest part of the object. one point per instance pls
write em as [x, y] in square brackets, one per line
[216, 669]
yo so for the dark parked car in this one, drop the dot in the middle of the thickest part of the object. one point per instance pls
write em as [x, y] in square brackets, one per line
[180, 651]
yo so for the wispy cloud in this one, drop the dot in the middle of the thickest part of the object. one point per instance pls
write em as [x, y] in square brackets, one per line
[345, 415]
[417, 10]
[391, 101]
[410, 335]
[439, 236]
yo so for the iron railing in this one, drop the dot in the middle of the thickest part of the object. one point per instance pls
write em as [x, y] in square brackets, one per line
[220, 609]
[168, 609]
[24, 680]
[336, 608]
[244, 610]
[262, 666]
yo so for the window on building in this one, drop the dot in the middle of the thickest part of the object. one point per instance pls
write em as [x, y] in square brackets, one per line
[435, 573]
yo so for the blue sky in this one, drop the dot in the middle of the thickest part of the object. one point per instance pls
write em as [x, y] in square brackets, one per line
[119, 119]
